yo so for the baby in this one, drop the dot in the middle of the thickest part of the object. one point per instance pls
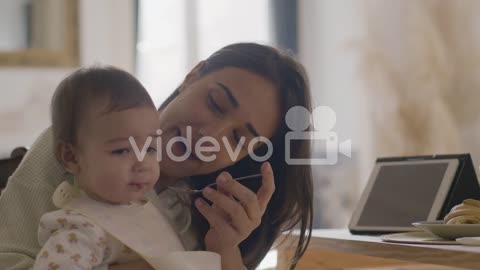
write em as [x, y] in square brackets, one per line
[94, 113]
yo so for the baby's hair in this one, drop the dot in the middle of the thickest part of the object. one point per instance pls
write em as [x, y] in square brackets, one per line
[79, 90]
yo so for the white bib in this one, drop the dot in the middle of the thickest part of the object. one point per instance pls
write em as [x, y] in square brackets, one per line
[140, 227]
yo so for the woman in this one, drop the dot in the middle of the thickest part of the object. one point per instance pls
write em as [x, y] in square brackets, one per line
[242, 90]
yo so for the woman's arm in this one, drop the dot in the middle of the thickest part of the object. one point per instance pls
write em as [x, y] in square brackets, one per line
[236, 211]
[26, 198]
[20, 209]
[232, 259]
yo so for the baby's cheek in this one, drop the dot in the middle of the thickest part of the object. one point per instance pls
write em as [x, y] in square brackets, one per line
[155, 166]
[111, 188]
[112, 175]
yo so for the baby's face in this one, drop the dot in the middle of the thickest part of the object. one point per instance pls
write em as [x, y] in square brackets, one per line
[109, 169]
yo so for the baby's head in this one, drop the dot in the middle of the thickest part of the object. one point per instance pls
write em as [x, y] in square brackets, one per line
[94, 112]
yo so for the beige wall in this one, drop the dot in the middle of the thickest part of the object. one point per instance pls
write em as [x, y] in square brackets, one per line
[106, 37]
[403, 77]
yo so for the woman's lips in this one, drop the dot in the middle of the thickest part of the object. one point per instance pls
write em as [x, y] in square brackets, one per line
[179, 148]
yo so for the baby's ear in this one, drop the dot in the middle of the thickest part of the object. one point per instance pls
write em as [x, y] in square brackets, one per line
[67, 155]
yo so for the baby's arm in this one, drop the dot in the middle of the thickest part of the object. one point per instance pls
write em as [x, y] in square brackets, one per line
[70, 241]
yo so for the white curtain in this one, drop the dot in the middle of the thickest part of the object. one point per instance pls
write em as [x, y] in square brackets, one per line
[174, 35]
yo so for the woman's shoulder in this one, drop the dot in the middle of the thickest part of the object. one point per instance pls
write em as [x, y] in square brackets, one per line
[39, 167]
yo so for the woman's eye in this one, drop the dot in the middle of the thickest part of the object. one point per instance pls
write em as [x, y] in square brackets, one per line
[122, 151]
[151, 149]
[214, 105]
[237, 139]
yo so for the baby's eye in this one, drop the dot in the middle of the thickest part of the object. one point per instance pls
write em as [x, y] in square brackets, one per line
[151, 149]
[122, 151]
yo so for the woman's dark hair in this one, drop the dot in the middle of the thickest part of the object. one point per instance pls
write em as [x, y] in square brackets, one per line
[291, 206]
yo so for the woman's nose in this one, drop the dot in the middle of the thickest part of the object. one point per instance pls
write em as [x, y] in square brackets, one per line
[215, 129]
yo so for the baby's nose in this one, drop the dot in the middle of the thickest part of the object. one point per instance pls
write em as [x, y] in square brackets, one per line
[141, 166]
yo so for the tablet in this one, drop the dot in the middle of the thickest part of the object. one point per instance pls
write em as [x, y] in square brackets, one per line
[399, 193]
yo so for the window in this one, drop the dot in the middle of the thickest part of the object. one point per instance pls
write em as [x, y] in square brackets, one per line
[174, 35]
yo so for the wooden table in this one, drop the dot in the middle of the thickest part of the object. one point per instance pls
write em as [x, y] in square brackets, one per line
[338, 249]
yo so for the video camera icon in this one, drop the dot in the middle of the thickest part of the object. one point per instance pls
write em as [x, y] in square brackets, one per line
[298, 119]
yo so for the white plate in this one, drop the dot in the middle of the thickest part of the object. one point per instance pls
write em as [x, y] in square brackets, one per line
[469, 241]
[447, 231]
[419, 237]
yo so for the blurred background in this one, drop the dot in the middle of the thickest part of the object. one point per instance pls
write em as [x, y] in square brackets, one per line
[402, 76]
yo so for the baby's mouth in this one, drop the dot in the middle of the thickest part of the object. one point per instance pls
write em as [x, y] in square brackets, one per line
[137, 186]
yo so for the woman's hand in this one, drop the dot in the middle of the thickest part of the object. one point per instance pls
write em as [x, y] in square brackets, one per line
[135, 265]
[236, 210]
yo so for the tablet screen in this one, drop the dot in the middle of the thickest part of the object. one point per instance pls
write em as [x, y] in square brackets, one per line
[402, 194]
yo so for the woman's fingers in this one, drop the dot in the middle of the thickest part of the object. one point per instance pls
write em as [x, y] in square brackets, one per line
[214, 218]
[247, 198]
[236, 210]
[265, 192]
[236, 207]
[224, 191]
[221, 213]
[236, 213]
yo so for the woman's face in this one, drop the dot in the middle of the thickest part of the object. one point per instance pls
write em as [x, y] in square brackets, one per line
[224, 106]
